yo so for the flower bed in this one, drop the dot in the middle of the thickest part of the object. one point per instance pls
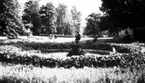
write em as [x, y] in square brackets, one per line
[122, 60]
[13, 54]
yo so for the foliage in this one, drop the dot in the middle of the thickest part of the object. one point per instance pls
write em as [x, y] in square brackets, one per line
[30, 74]
[125, 13]
[92, 27]
[61, 15]
[67, 29]
[27, 66]
[107, 24]
[48, 18]
[10, 23]
[28, 31]
[78, 62]
[130, 58]
[31, 16]
[51, 45]
[76, 19]
[63, 22]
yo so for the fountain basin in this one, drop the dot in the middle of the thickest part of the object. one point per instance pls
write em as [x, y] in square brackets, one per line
[88, 51]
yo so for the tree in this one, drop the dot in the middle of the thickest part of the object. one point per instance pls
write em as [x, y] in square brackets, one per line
[106, 24]
[10, 23]
[92, 26]
[48, 18]
[63, 20]
[67, 25]
[67, 29]
[125, 13]
[76, 18]
[61, 14]
[31, 16]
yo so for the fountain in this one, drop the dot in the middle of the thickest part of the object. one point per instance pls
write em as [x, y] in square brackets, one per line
[76, 48]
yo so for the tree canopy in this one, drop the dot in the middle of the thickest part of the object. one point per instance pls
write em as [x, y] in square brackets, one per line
[92, 25]
[61, 15]
[76, 18]
[63, 21]
[10, 22]
[48, 18]
[31, 16]
[125, 13]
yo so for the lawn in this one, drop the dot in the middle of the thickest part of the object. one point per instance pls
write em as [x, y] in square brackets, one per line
[31, 74]
[44, 60]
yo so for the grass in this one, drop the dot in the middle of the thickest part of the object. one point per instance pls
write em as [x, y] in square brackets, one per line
[31, 74]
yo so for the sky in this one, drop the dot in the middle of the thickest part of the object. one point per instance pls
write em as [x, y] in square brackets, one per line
[86, 7]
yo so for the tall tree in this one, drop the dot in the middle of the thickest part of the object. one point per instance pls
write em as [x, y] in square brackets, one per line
[63, 20]
[92, 26]
[106, 24]
[67, 25]
[48, 17]
[10, 22]
[76, 18]
[67, 29]
[61, 15]
[125, 13]
[31, 16]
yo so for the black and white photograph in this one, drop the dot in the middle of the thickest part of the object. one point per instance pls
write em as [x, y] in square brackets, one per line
[72, 41]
